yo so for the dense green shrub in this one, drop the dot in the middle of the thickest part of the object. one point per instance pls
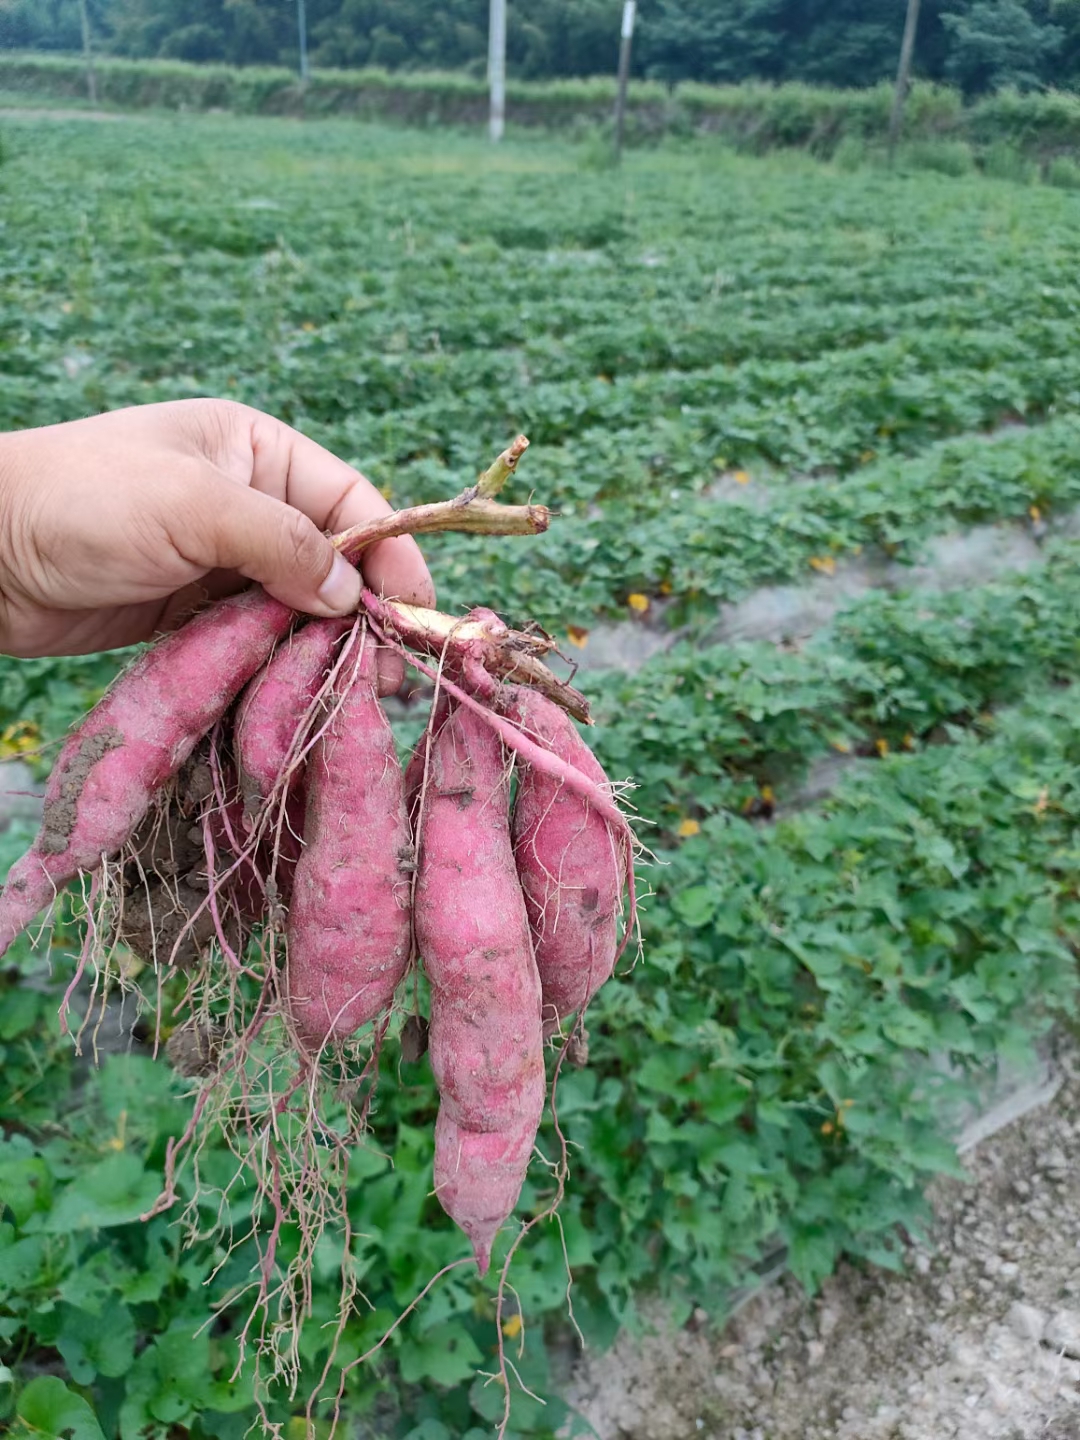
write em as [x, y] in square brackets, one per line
[1063, 172]
[945, 157]
[1004, 161]
[754, 115]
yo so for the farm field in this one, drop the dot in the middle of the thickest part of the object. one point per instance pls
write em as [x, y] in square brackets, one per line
[735, 373]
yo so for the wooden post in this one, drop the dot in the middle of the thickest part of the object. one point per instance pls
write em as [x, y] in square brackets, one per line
[628, 13]
[301, 25]
[903, 76]
[88, 54]
[497, 68]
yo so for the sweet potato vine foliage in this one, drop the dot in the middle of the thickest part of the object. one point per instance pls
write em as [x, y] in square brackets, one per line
[255, 832]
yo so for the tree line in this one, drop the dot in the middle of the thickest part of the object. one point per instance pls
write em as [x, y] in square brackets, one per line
[978, 45]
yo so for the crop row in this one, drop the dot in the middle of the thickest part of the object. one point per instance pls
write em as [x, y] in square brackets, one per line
[394, 327]
[444, 310]
[829, 413]
[711, 728]
[702, 552]
[760, 1072]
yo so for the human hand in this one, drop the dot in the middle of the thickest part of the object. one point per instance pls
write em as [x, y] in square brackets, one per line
[116, 527]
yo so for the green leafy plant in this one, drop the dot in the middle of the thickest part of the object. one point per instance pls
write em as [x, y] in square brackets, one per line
[737, 372]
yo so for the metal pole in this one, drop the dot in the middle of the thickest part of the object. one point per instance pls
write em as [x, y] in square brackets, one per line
[903, 75]
[88, 54]
[629, 11]
[301, 22]
[497, 68]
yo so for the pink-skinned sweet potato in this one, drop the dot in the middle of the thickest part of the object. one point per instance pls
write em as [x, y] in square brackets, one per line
[133, 741]
[473, 933]
[274, 704]
[348, 929]
[479, 1173]
[570, 864]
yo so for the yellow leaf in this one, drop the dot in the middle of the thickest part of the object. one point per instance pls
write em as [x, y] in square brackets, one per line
[767, 794]
[828, 1128]
[688, 828]
[19, 739]
[299, 1427]
[881, 745]
[512, 1327]
[741, 477]
[309, 326]
[841, 746]
[665, 587]
[1035, 513]
[577, 635]
[128, 964]
[637, 602]
[909, 741]
[825, 564]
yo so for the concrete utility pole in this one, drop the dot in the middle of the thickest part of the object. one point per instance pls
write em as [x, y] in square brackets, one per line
[629, 11]
[497, 68]
[88, 54]
[903, 76]
[301, 25]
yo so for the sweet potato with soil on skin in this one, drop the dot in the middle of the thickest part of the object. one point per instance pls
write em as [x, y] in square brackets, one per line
[133, 741]
[473, 933]
[274, 704]
[570, 864]
[348, 928]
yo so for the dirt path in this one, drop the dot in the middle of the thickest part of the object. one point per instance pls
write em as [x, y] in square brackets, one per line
[14, 112]
[979, 1337]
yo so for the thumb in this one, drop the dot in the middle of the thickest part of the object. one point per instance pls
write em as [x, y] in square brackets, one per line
[267, 540]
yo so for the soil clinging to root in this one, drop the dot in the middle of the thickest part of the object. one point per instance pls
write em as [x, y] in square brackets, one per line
[61, 811]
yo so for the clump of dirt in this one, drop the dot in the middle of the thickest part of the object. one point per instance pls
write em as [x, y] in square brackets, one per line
[979, 1336]
[194, 1048]
[164, 916]
[61, 811]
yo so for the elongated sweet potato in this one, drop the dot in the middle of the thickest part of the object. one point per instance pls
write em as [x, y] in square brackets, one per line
[473, 933]
[348, 929]
[570, 863]
[133, 741]
[274, 704]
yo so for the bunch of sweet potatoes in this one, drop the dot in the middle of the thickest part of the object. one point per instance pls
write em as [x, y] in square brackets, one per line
[242, 778]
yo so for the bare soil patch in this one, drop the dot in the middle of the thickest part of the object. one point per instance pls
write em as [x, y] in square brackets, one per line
[979, 1336]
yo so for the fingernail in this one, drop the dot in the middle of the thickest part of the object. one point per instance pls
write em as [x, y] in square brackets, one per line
[340, 591]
